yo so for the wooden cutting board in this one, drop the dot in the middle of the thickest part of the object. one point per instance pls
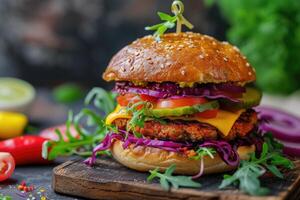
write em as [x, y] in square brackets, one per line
[109, 180]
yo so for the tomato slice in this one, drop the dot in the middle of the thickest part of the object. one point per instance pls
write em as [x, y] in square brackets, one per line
[124, 100]
[181, 102]
[207, 114]
[7, 165]
[148, 98]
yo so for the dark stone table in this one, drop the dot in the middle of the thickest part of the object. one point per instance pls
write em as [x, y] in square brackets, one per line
[40, 176]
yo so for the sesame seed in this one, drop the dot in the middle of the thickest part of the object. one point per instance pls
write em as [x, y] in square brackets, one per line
[149, 58]
[225, 42]
[123, 69]
[249, 73]
[225, 59]
[162, 66]
[183, 72]
[214, 43]
[168, 64]
[131, 68]
[247, 64]
[129, 60]
[201, 56]
[181, 45]
[235, 48]
[137, 53]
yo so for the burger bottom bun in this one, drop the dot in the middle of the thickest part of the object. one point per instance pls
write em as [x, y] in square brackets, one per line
[142, 158]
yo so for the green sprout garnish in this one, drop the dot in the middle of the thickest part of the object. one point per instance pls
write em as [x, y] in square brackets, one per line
[167, 179]
[169, 21]
[246, 177]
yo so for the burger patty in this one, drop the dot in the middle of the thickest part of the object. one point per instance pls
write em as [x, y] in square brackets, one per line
[193, 131]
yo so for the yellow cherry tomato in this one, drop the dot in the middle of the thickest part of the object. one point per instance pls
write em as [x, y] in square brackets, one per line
[12, 124]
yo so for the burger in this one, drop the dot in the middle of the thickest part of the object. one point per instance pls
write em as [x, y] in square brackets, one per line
[187, 100]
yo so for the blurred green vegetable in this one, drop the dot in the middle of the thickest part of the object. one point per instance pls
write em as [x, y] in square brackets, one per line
[5, 197]
[268, 33]
[68, 93]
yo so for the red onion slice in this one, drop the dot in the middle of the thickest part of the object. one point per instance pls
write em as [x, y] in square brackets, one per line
[165, 90]
[284, 126]
[290, 148]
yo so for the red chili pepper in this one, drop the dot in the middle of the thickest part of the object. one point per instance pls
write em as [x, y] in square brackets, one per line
[25, 149]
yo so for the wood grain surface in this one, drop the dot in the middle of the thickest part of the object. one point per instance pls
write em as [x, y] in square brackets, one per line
[109, 180]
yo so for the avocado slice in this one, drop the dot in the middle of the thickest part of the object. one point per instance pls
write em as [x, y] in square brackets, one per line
[251, 98]
[186, 110]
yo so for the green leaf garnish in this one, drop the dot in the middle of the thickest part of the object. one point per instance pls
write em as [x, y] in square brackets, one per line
[204, 151]
[93, 131]
[170, 21]
[248, 173]
[140, 112]
[167, 179]
[137, 110]
[102, 99]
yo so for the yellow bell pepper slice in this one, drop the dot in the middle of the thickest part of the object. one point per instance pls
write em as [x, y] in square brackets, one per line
[12, 124]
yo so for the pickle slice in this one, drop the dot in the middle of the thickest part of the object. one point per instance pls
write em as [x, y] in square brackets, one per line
[186, 110]
[251, 98]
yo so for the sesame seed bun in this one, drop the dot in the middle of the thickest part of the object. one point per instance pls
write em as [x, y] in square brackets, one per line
[185, 57]
[143, 159]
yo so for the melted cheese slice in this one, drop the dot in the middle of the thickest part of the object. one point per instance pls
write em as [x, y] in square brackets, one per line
[223, 122]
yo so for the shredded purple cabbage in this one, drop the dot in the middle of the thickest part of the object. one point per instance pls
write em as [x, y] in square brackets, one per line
[200, 173]
[226, 151]
[165, 145]
[228, 154]
[256, 139]
[168, 89]
[104, 145]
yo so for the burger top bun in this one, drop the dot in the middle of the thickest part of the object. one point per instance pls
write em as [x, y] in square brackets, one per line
[184, 57]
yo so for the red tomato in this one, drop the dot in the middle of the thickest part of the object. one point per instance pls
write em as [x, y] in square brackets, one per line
[181, 102]
[207, 114]
[124, 100]
[7, 165]
[50, 134]
[148, 98]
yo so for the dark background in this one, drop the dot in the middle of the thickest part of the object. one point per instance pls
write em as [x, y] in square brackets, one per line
[50, 42]
[53, 41]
